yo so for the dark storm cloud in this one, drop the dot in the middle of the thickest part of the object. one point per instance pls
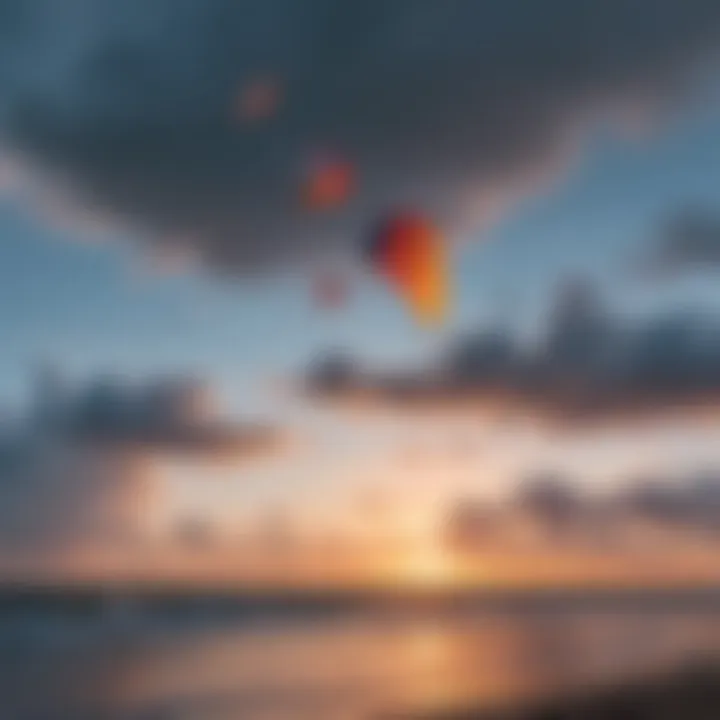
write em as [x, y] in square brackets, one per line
[589, 365]
[133, 104]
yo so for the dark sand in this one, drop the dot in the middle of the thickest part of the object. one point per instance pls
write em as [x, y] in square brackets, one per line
[690, 694]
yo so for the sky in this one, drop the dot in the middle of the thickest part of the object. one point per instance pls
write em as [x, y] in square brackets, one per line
[148, 228]
[90, 304]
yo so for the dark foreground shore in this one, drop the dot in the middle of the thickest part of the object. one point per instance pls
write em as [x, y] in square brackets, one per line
[690, 694]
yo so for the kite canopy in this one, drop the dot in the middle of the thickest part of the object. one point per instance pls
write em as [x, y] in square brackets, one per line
[329, 184]
[409, 252]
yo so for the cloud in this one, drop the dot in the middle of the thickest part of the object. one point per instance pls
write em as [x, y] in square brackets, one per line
[54, 496]
[81, 470]
[131, 107]
[175, 415]
[689, 240]
[588, 365]
[550, 508]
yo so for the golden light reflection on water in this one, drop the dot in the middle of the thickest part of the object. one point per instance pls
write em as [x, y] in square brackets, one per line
[357, 665]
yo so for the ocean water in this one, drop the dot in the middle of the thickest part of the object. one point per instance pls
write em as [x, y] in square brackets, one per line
[126, 661]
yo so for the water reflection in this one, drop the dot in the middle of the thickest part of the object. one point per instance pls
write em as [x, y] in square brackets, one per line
[343, 666]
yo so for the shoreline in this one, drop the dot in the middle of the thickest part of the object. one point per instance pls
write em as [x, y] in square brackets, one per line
[660, 598]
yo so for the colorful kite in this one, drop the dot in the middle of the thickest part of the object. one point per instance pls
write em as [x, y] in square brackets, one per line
[409, 252]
